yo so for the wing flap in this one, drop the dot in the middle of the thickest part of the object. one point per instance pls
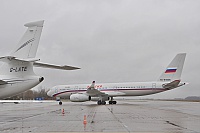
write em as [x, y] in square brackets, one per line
[115, 93]
[44, 65]
[95, 92]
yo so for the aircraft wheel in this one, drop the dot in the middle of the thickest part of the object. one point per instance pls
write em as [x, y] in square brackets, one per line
[114, 102]
[60, 103]
[99, 102]
[103, 103]
[110, 102]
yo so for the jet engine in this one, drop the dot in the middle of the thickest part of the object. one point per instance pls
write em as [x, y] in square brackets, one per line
[79, 98]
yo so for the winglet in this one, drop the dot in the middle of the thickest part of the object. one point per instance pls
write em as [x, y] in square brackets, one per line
[92, 85]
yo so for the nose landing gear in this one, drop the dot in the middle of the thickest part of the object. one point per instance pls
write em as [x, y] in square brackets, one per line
[60, 103]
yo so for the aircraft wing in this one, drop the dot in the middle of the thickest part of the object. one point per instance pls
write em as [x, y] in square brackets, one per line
[39, 64]
[91, 91]
[44, 65]
[172, 84]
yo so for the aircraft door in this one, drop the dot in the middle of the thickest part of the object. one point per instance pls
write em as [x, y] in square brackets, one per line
[115, 88]
[56, 90]
[153, 86]
[76, 88]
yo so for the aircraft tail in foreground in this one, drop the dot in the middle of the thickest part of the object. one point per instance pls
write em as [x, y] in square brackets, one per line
[27, 46]
[16, 73]
[20, 61]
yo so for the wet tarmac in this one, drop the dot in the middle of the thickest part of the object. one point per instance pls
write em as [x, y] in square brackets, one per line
[125, 116]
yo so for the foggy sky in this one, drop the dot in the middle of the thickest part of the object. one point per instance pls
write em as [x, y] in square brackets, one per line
[112, 41]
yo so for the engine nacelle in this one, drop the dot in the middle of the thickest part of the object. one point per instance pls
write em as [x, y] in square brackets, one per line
[79, 98]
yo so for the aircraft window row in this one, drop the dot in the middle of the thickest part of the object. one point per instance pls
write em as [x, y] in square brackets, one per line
[73, 89]
[133, 87]
[106, 88]
[67, 87]
[63, 89]
[102, 88]
[81, 88]
[122, 87]
[77, 88]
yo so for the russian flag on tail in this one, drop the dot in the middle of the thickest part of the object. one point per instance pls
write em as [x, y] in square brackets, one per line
[171, 70]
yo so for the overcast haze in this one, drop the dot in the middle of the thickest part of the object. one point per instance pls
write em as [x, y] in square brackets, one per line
[111, 40]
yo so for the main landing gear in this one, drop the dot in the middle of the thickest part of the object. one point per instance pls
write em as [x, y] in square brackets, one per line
[60, 103]
[111, 101]
[101, 102]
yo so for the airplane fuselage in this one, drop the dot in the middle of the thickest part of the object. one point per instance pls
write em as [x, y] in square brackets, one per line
[169, 79]
[16, 85]
[112, 89]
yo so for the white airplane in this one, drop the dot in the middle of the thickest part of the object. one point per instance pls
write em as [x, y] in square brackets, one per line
[102, 92]
[16, 72]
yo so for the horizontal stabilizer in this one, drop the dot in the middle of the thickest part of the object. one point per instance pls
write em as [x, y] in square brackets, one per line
[37, 23]
[28, 59]
[5, 58]
[172, 84]
[44, 65]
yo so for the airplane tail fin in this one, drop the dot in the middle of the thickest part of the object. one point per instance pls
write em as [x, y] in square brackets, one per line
[22, 59]
[174, 69]
[27, 46]
[19, 63]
